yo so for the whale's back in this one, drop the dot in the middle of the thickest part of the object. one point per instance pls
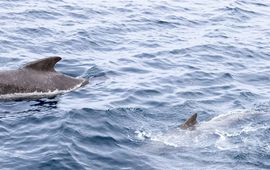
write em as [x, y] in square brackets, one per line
[37, 77]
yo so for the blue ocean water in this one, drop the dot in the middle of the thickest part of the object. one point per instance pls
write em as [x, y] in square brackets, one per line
[151, 64]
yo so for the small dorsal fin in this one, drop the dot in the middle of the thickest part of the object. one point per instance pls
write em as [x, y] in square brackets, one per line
[190, 122]
[45, 64]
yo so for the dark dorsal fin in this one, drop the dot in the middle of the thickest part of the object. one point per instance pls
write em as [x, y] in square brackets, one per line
[45, 64]
[190, 122]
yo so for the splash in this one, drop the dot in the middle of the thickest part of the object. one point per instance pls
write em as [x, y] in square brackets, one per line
[230, 131]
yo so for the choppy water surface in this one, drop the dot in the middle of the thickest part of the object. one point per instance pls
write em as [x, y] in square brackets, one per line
[151, 64]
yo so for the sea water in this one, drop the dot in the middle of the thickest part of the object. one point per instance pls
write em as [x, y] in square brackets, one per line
[151, 64]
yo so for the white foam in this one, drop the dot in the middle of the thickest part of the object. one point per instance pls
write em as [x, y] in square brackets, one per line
[267, 147]
[223, 143]
[142, 134]
[227, 131]
[36, 95]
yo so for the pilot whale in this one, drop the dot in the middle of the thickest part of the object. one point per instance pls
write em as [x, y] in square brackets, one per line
[37, 77]
[225, 131]
[190, 122]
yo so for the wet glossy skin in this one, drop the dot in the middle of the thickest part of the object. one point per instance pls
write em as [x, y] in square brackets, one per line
[38, 76]
[26, 81]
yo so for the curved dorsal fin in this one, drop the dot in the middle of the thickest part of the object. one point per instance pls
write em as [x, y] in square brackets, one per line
[45, 64]
[190, 122]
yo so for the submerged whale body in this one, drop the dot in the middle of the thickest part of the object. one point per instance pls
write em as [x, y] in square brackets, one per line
[37, 79]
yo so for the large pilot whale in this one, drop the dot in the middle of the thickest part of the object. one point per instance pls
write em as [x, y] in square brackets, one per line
[36, 80]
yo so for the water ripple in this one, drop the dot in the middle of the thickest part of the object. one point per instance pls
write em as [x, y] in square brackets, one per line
[150, 64]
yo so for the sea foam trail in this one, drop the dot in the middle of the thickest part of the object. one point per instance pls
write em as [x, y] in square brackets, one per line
[227, 131]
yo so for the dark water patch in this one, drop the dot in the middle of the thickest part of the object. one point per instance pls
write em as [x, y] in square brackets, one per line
[71, 7]
[67, 162]
[261, 4]
[115, 30]
[248, 96]
[82, 34]
[34, 32]
[190, 94]
[218, 100]
[96, 72]
[147, 93]
[79, 44]
[41, 14]
[190, 67]
[161, 64]
[238, 14]
[149, 44]
[78, 15]
[126, 100]
[246, 159]
[187, 107]
[254, 78]
[87, 11]
[124, 61]
[182, 21]
[101, 127]
[213, 58]
[222, 87]
[217, 34]
[261, 107]
[205, 78]
[236, 66]
[237, 11]
[7, 45]
[197, 48]
[244, 53]
[155, 103]
[134, 70]
[100, 141]
[145, 55]
[166, 24]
